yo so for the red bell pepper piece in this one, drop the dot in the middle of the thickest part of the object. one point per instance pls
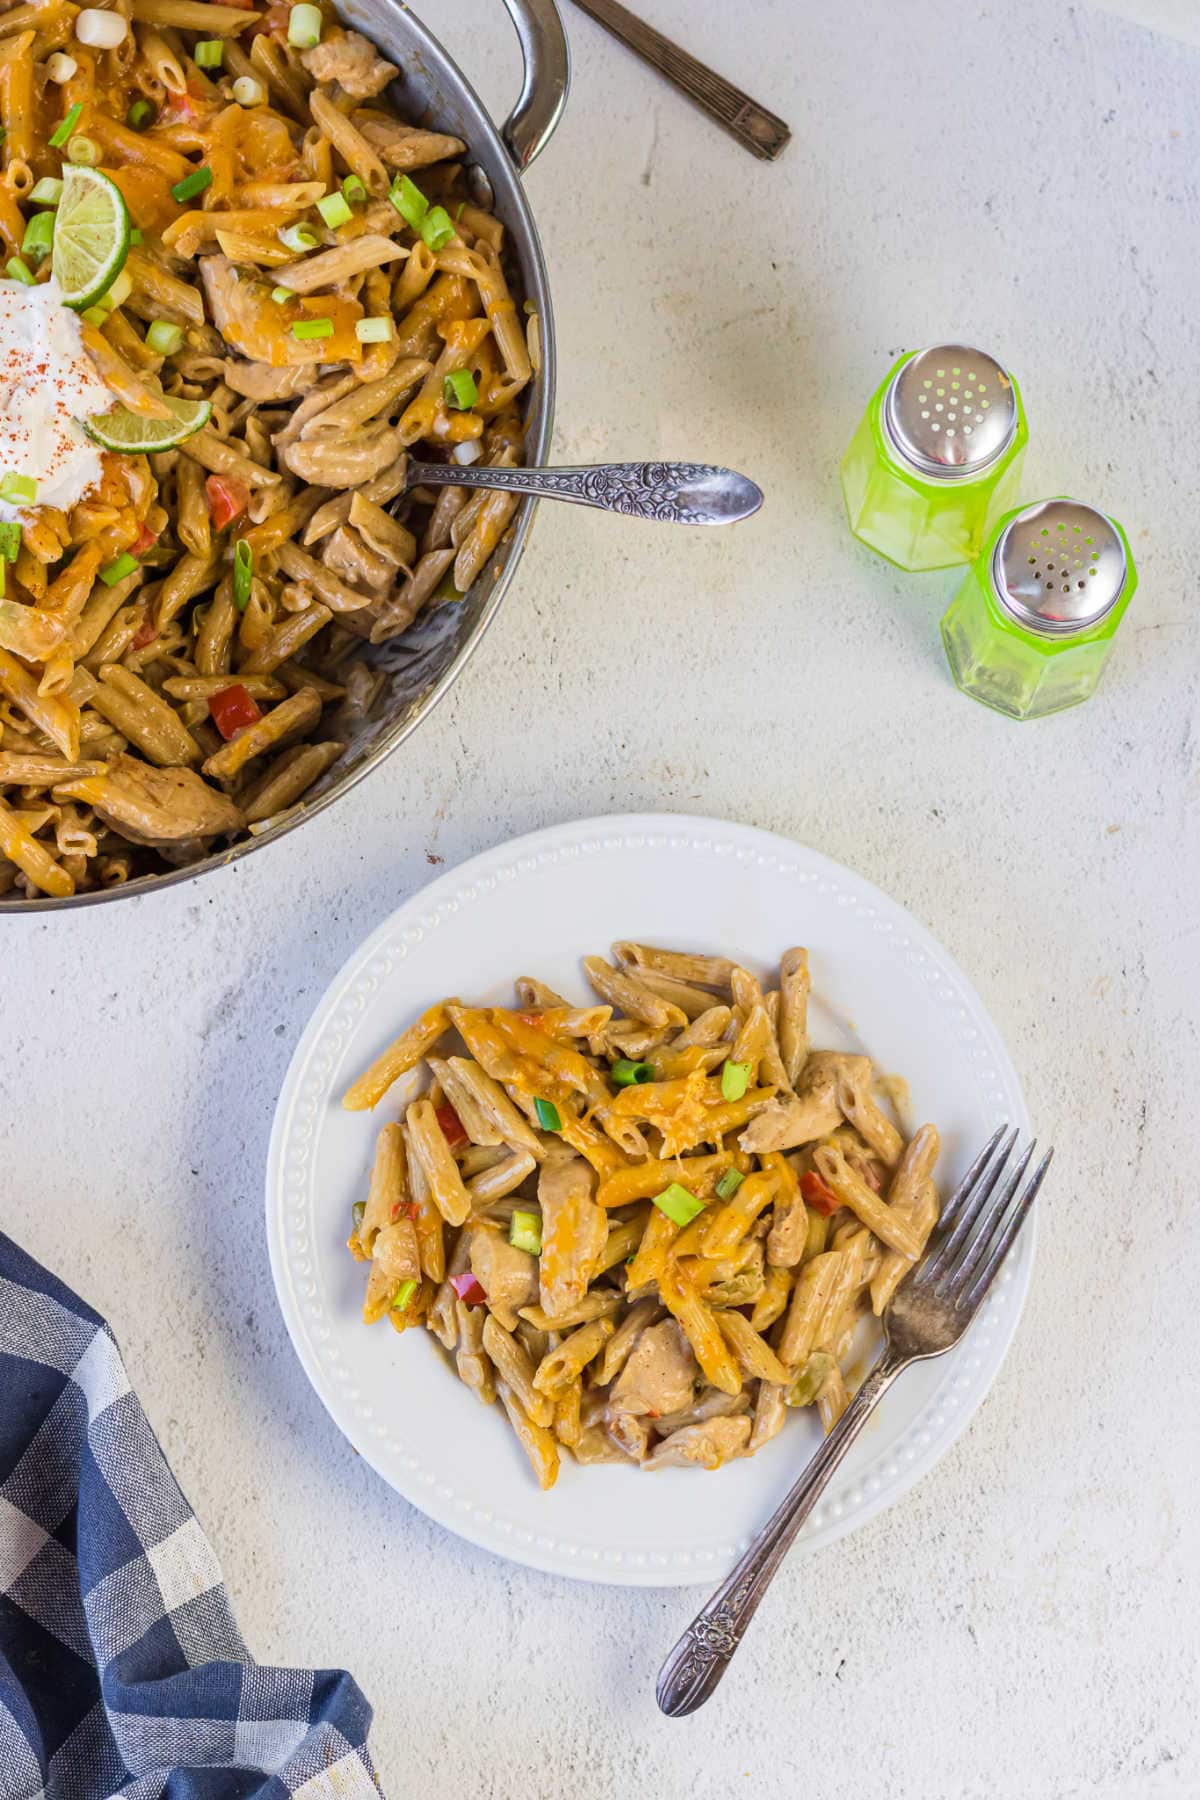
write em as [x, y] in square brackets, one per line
[232, 710]
[227, 497]
[452, 1125]
[818, 1195]
[143, 541]
[467, 1287]
[145, 634]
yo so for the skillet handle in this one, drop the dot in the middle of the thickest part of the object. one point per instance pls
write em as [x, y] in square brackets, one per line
[532, 121]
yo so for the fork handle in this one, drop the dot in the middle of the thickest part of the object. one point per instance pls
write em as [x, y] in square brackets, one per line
[761, 132]
[702, 1655]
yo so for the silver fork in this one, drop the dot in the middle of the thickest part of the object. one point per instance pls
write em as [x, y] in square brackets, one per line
[927, 1316]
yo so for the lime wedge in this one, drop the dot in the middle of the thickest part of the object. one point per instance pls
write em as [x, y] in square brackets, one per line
[132, 435]
[91, 236]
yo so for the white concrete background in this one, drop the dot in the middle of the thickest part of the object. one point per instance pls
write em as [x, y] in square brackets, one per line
[1024, 1625]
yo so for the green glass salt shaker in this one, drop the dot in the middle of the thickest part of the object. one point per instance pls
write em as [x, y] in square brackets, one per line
[936, 457]
[1029, 630]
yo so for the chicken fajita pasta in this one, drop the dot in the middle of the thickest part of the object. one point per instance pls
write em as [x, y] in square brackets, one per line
[646, 1225]
[238, 291]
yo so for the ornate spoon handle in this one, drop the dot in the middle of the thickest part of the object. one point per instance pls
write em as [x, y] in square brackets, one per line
[702, 1655]
[679, 493]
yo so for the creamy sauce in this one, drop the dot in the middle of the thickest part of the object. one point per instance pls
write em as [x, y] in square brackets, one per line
[47, 383]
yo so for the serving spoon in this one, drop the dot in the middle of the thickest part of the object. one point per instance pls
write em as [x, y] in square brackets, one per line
[676, 492]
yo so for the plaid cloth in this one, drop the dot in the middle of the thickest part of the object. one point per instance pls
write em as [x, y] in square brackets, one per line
[121, 1669]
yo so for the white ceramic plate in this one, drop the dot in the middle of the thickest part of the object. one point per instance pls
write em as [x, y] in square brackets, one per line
[534, 907]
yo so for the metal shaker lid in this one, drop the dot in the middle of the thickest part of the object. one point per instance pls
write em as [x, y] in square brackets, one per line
[950, 412]
[1059, 567]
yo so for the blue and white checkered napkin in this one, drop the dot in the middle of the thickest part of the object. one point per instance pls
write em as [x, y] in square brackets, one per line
[121, 1669]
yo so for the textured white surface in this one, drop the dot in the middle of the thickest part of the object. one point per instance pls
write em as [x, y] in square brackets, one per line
[1024, 1625]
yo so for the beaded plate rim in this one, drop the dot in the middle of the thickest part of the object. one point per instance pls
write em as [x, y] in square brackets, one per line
[290, 1196]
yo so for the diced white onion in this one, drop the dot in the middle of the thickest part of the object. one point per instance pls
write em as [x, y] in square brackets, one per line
[248, 92]
[99, 29]
[470, 452]
[60, 68]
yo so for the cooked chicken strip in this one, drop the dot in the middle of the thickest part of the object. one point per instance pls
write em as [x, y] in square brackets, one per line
[712, 1444]
[508, 1276]
[353, 62]
[574, 1231]
[154, 806]
[813, 1113]
[660, 1374]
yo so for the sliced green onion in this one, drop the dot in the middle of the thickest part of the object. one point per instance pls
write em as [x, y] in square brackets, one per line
[135, 236]
[243, 574]
[729, 1184]
[281, 294]
[39, 235]
[334, 210]
[69, 121]
[811, 1379]
[735, 1079]
[525, 1232]
[48, 191]
[408, 201]
[192, 184]
[631, 1074]
[140, 114]
[358, 1211]
[19, 271]
[312, 328]
[547, 1115]
[407, 1289]
[96, 315]
[460, 390]
[355, 190]
[459, 210]
[298, 237]
[249, 92]
[18, 490]
[437, 228]
[163, 338]
[83, 150]
[118, 570]
[679, 1206]
[209, 53]
[304, 26]
[374, 331]
[10, 540]
[120, 290]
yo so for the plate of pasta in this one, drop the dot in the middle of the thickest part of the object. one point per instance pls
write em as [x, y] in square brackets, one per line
[593, 1172]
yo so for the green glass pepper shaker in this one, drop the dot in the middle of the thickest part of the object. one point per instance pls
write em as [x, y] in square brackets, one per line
[936, 457]
[1029, 630]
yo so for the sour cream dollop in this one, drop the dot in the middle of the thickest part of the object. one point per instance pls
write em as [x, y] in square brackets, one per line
[47, 383]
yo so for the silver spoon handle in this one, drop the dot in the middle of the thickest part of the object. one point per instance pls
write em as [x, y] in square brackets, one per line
[679, 493]
[700, 1658]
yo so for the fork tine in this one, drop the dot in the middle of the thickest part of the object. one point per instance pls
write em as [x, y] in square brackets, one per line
[948, 1248]
[981, 1282]
[970, 1178]
[963, 1266]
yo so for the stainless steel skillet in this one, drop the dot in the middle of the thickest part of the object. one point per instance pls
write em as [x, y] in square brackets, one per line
[422, 665]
